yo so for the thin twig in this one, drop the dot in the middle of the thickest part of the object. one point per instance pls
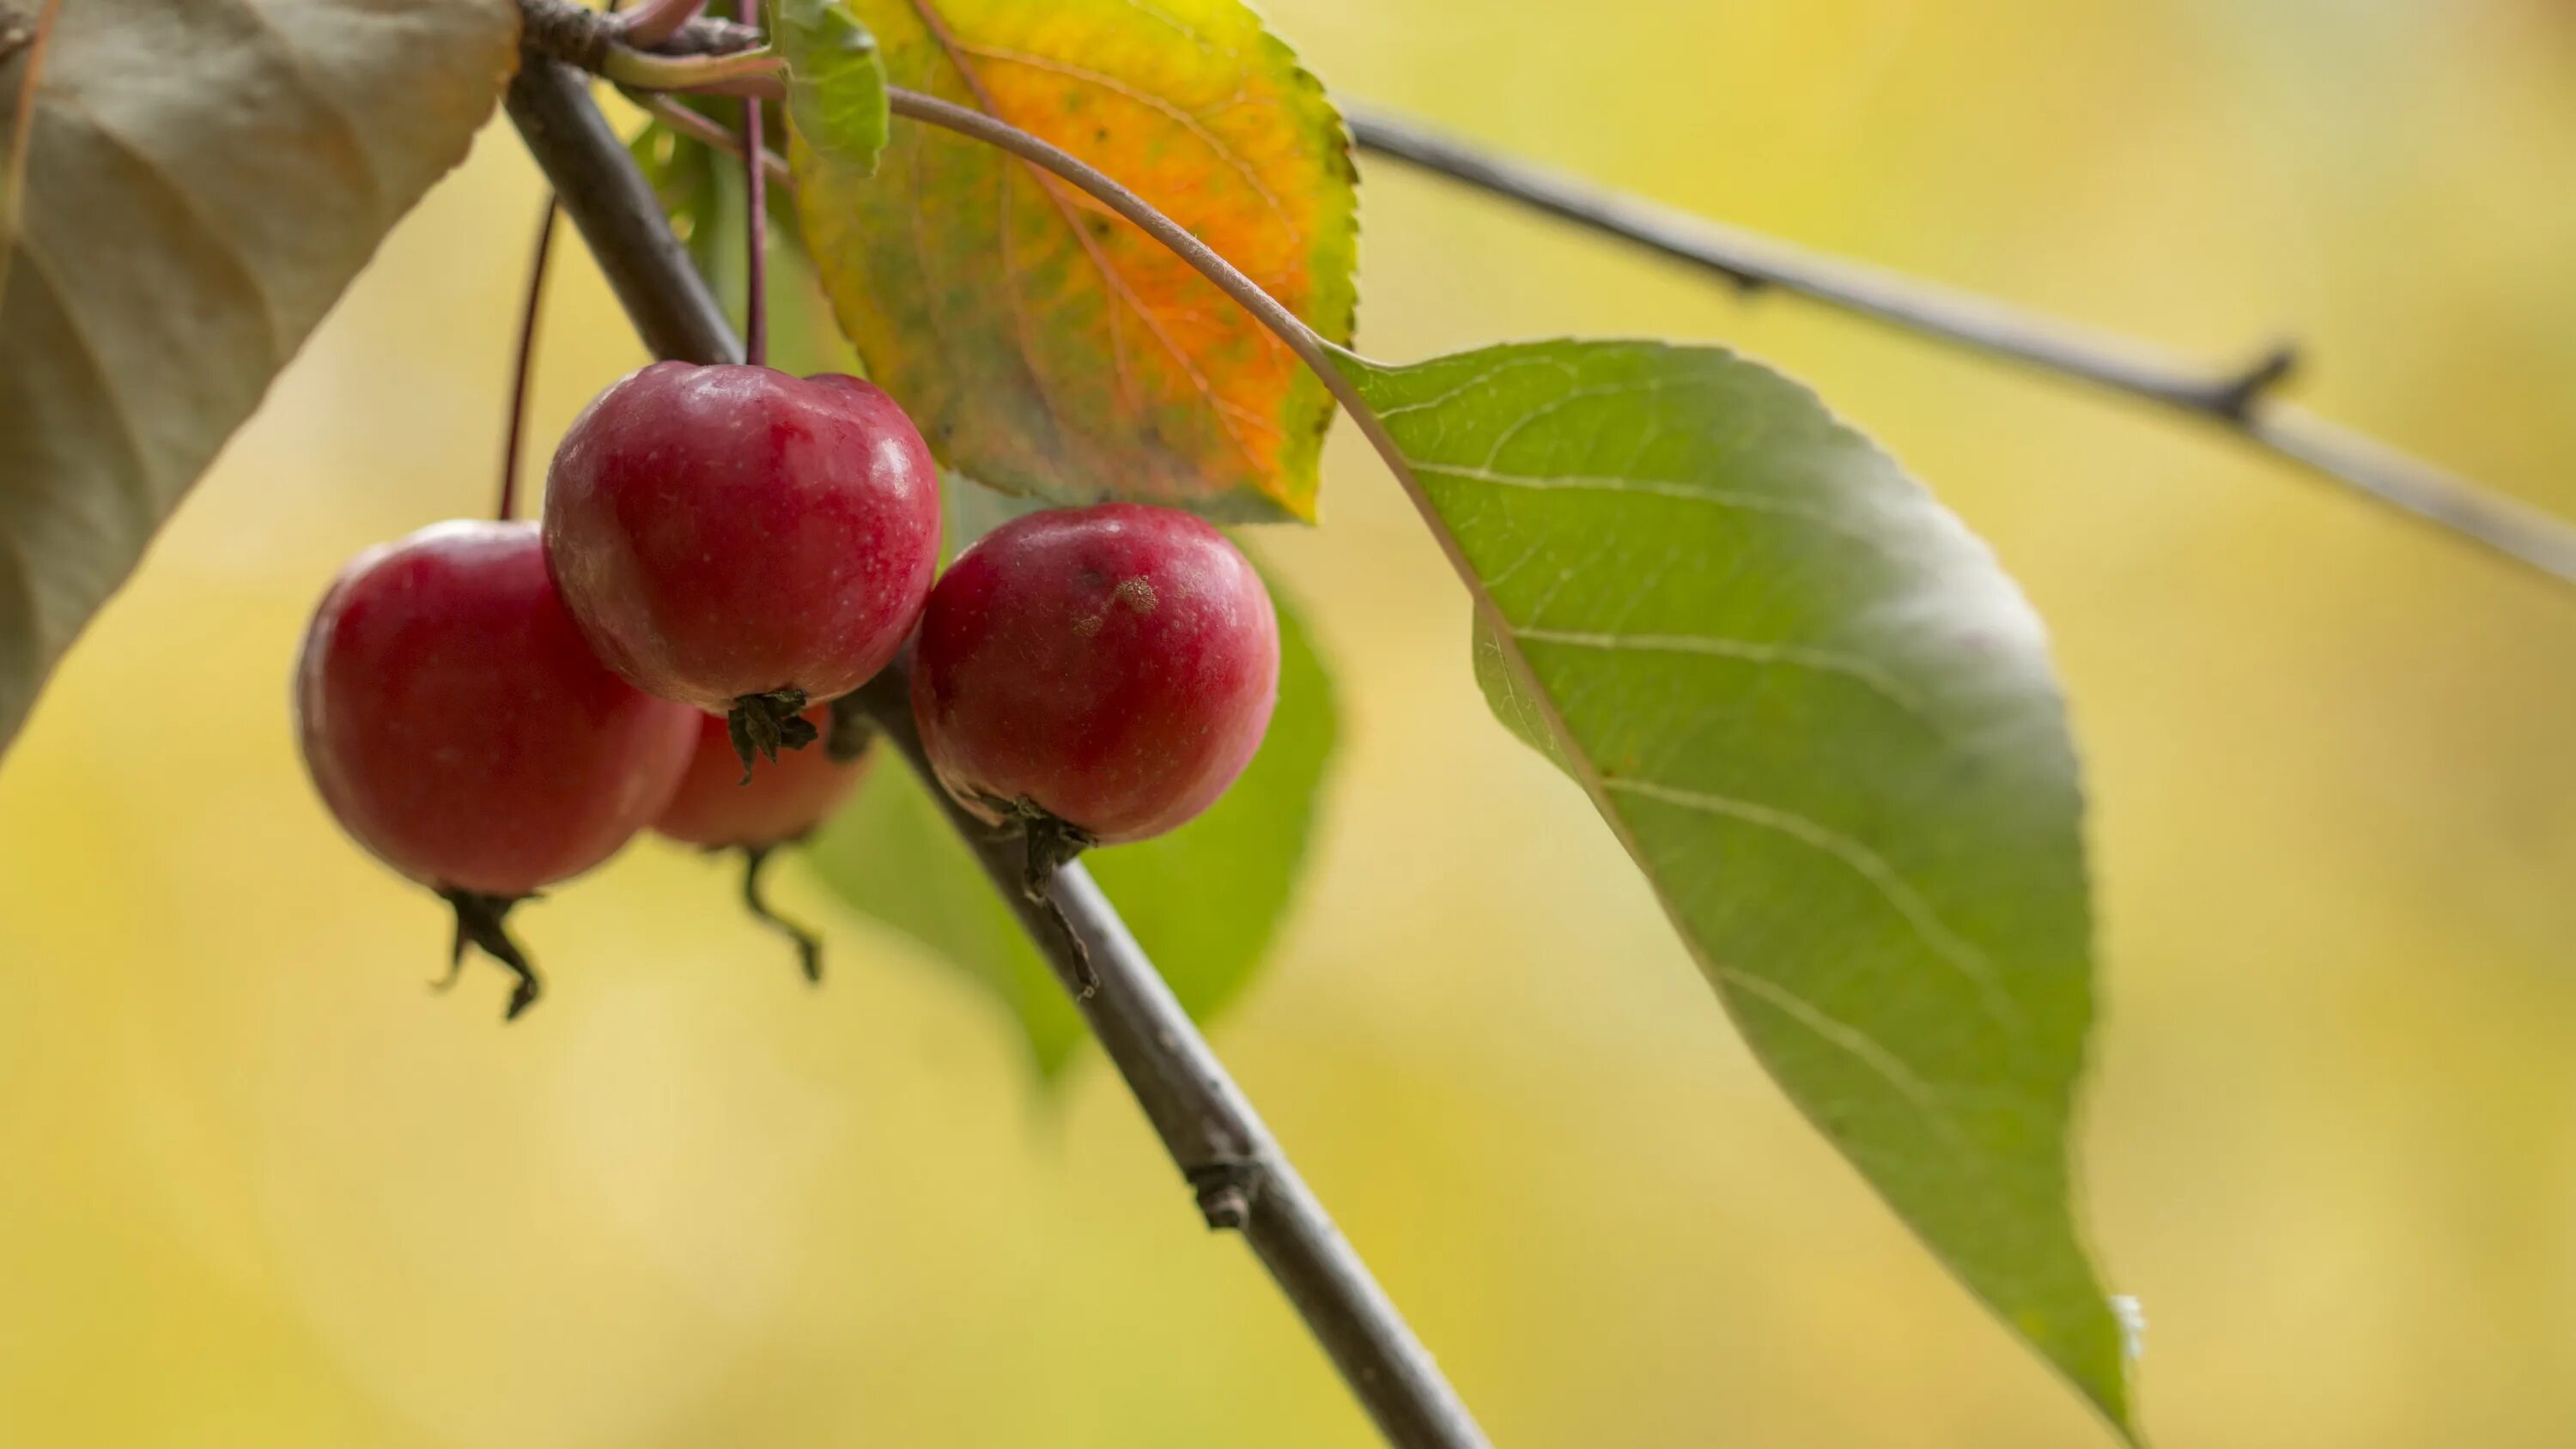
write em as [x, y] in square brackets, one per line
[524, 364]
[698, 126]
[1240, 1176]
[755, 313]
[2237, 399]
[13, 167]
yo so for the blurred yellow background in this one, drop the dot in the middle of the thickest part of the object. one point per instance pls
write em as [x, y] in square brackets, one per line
[259, 1187]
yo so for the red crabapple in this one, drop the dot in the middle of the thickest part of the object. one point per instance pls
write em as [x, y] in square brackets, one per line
[1108, 668]
[742, 540]
[718, 809]
[458, 726]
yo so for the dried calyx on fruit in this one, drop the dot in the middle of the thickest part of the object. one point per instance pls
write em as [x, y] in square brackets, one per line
[460, 728]
[744, 541]
[1099, 674]
[717, 809]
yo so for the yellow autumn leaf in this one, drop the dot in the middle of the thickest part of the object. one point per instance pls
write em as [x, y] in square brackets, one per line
[1043, 344]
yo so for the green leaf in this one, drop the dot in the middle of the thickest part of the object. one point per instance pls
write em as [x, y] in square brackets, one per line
[202, 181]
[1205, 901]
[1043, 344]
[836, 84]
[1824, 723]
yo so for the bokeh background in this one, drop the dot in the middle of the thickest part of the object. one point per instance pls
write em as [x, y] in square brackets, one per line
[259, 1187]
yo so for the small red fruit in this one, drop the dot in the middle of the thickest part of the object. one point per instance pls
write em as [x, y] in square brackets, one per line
[1109, 668]
[718, 808]
[742, 540]
[458, 726]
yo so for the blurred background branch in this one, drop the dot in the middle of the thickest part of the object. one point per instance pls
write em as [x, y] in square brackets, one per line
[2237, 399]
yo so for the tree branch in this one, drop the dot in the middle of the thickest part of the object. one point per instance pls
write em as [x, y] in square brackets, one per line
[1241, 1177]
[2234, 399]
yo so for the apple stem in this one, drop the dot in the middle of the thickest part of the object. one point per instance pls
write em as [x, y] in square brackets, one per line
[755, 321]
[524, 364]
[809, 947]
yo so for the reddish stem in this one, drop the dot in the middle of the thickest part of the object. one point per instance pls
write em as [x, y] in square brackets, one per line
[755, 320]
[711, 131]
[525, 364]
[653, 21]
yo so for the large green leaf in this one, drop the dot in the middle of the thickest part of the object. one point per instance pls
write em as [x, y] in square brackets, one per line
[1205, 901]
[1045, 345]
[1823, 721]
[836, 85]
[203, 178]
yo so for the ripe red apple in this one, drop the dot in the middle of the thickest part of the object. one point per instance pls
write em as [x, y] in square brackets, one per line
[717, 809]
[1111, 668]
[742, 540]
[460, 728]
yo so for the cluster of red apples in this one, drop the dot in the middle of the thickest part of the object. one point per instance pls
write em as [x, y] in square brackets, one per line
[493, 708]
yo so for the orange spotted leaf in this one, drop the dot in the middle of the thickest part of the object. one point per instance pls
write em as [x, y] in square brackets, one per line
[1044, 345]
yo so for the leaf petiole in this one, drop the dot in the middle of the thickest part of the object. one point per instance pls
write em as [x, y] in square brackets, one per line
[524, 364]
[760, 74]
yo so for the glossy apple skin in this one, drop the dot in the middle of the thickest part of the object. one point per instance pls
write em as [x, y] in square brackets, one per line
[729, 531]
[783, 800]
[1115, 666]
[458, 726]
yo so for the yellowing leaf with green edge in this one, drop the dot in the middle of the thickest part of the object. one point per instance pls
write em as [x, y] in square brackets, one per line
[1043, 344]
